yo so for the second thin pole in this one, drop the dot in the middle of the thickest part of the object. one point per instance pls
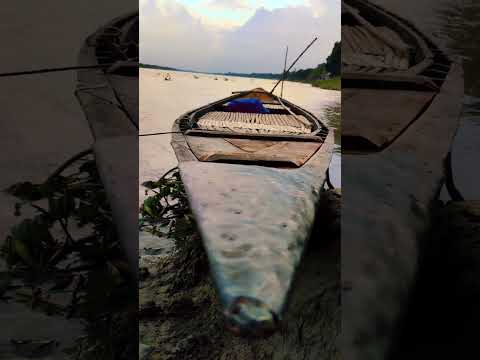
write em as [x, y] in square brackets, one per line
[299, 56]
[284, 69]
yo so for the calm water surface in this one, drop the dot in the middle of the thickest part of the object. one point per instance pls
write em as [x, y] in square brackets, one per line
[162, 102]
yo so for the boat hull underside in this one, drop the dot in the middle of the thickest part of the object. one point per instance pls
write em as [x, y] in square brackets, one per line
[254, 222]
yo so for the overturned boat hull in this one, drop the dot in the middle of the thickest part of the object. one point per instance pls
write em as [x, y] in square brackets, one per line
[254, 212]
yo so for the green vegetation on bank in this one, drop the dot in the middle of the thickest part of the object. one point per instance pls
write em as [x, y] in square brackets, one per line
[329, 84]
[148, 66]
[325, 75]
[255, 75]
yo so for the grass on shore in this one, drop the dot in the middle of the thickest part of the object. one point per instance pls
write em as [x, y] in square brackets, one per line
[330, 84]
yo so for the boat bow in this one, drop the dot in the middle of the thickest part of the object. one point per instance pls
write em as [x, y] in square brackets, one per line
[254, 222]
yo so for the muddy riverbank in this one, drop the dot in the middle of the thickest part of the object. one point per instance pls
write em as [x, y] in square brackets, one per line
[180, 315]
[181, 318]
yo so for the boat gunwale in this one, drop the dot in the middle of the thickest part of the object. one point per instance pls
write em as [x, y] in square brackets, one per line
[194, 115]
[183, 152]
[236, 135]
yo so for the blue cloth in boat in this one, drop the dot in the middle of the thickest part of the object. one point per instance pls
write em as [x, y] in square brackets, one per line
[247, 106]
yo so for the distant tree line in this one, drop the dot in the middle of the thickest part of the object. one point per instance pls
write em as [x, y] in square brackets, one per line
[330, 68]
[255, 75]
[148, 66]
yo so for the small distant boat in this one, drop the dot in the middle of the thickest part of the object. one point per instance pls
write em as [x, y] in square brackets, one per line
[253, 165]
[167, 77]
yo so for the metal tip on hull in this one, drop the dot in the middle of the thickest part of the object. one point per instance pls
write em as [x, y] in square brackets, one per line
[250, 317]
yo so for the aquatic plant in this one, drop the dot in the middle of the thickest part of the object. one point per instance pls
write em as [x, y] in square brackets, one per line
[166, 212]
[65, 259]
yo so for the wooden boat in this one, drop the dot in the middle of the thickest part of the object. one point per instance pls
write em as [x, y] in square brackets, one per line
[253, 182]
[109, 99]
[401, 100]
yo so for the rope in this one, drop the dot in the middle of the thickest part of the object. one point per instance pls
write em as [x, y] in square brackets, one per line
[284, 75]
[70, 161]
[67, 68]
[162, 133]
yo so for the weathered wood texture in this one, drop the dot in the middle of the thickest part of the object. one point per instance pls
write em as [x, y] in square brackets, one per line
[217, 149]
[179, 283]
[380, 116]
[255, 135]
[254, 222]
[117, 163]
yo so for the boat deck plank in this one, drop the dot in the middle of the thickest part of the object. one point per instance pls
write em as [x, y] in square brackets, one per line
[384, 115]
[227, 149]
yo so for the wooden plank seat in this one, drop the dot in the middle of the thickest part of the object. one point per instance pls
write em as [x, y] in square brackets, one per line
[255, 123]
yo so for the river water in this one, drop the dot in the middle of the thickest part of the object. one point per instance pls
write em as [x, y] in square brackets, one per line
[162, 102]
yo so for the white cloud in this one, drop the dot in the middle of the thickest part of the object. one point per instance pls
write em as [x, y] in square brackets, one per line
[223, 14]
[230, 4]
[323, 7]
[171, 35]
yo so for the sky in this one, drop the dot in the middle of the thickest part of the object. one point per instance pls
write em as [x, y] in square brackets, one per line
[237, 35]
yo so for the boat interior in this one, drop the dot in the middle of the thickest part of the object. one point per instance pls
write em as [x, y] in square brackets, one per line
[278, 134]
[276, 118]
